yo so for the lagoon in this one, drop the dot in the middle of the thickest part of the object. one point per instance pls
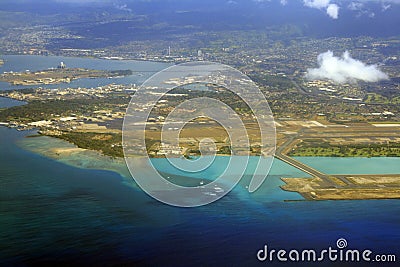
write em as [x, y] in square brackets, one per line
[60, 205]
[55, 213]
[350, 165]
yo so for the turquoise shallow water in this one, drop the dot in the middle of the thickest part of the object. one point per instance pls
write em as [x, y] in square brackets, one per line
[83, 209]
[56, 214]
[381, 165]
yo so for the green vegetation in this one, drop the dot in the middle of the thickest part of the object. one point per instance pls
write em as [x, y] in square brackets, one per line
[107, 143]
[309, 149]
[396, 100]
[225, 150]
[379, 99]
[278, 83]
[376, 98]
[115, 73]
[44, 110]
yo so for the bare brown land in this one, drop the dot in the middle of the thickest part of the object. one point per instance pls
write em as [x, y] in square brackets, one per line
[192, 134]
[340, 187]
[289, 136]
[94, 123]
[358, 187]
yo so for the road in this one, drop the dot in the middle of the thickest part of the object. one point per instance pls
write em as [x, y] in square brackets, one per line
[281, 154]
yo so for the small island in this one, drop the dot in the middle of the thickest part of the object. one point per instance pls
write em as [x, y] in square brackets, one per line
[61, 74]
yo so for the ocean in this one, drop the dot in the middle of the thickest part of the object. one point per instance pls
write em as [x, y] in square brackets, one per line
[55, 213]
[85, 210]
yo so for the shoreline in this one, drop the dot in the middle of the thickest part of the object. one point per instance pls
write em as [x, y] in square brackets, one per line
[72, 155]
[357, 187]
[108, 58]
[345, 186]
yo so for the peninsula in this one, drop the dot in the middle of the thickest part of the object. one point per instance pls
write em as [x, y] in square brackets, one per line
[323, 186]
[58, 75]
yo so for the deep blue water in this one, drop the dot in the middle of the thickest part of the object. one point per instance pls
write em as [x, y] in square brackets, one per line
[8, 102]
[53, 214]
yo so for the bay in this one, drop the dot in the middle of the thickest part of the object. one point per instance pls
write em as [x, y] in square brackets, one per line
[8, 102]
[81, 208]
[53, 213]
[142, 70]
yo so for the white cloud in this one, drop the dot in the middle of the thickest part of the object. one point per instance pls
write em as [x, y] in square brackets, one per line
[317, 3]
[355, 6]
[392, 1]
[123, 7]
[333, 11]
[386, 6]
[361, 9]
[283, 2]
[344, 69]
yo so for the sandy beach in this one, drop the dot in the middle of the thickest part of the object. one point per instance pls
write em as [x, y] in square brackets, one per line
[72, 155]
